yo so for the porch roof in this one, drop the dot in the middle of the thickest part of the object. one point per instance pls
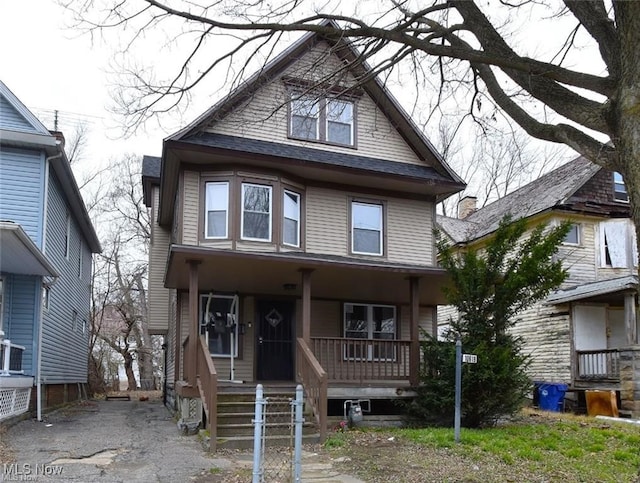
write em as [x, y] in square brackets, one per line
[20, 255]
[594, 289]
[333, 277]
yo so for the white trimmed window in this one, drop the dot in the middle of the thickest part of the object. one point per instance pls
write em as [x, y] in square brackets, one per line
[619, 188]
[573, 236]
[371, 325]
[80, 260]
[46, 295]
[366, 228]
[256, 212]
[74, 320]
[291, 219]
[216, 219]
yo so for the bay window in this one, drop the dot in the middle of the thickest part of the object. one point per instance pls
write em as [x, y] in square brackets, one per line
[291, 219]
[216, 220]
[369, 323]
[256, 212]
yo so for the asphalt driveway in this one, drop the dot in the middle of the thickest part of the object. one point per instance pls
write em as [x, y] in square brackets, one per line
[130, 441]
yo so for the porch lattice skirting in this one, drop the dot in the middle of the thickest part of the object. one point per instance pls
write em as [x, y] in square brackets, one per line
[14, 401]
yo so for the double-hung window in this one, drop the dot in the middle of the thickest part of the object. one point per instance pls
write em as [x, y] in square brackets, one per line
[291, 219]
[324, 119]
[256, 212]
[216, 220]
[573, 236]
[366, 228]
[619, 188]
[374, 326]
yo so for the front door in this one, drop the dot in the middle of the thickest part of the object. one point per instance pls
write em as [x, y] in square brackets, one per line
[274, 361]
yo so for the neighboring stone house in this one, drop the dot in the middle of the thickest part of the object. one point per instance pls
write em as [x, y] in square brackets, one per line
[586, 333]
[46, 242]
[292, 239]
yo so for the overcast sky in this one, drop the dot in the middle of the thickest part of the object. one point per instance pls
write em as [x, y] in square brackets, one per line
[49, 67]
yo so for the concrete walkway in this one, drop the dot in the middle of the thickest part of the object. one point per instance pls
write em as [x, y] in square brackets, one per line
[126, 441]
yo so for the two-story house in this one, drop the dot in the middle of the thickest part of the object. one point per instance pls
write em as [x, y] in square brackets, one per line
[293, 238]
[46, 244]
[586, 333]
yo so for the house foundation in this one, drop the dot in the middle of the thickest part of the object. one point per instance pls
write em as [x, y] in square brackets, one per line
[630, 380]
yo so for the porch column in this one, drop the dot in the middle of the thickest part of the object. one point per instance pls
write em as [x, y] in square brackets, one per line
[630, 320]
[190, 364]
[414, 316]
[178, 341]
[306, 305]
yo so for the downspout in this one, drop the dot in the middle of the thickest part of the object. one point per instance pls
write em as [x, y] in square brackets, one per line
[47, 165]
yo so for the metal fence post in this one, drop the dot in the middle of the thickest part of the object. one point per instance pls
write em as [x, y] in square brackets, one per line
[299, 421]
[257, 436]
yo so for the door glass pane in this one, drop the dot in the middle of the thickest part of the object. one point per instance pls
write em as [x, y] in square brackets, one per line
[256, 212]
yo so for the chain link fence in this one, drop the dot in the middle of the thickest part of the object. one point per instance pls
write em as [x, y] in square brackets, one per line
[277, 438]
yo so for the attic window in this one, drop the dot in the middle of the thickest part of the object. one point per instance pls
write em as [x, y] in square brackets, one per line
[323, 119]
[619, 188]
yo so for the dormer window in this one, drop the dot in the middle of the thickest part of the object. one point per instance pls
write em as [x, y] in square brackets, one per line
[323, 119]
[619, 188]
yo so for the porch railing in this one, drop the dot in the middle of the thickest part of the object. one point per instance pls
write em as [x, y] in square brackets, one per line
[10, 358]
[207, 381]
[363, 359]
[314, 380]
[598, 364]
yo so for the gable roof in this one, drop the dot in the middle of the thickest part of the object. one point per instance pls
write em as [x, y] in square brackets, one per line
[548, 191]
[151, 166]
[374, 87]
[41, 139]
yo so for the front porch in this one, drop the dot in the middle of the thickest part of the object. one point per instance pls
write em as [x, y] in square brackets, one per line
[15, 388]
[377, 355]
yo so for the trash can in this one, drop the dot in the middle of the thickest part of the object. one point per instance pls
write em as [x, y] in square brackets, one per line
[551, 396]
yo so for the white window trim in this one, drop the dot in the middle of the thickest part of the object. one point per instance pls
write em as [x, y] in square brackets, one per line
[206, 212]
[297, 195]
[579, 237]
[370, 331]
[381, 231]
[242, 212]
[615, 191]
[203, 303]
[46, 297]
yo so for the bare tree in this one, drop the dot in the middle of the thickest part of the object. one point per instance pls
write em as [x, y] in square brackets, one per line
[120, 320]
[593, 112]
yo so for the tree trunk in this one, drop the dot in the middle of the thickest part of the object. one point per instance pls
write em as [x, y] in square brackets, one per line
[128, 369]
[627, 141]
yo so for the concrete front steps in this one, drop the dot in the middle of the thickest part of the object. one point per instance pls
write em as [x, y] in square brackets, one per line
[236, 411]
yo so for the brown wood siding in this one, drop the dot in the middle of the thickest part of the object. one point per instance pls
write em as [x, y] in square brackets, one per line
[158, 296]
[410, 231]
[264, 116]
[190, 207]
[327, 222]
[171, 337]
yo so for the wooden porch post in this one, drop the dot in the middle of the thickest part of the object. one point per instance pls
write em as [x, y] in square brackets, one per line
[178, 340]
[306, 305]
[190, 365]
[414, 316]
[630, 320]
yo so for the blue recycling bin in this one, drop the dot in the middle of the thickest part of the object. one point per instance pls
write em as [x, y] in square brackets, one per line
[551, 396]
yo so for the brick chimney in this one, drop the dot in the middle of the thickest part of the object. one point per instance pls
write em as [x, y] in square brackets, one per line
[466, 206]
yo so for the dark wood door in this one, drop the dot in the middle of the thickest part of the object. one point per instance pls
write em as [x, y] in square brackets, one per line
[274, 361]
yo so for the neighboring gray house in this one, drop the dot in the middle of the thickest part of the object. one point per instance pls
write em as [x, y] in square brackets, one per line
[586, 333]
[46, 245]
